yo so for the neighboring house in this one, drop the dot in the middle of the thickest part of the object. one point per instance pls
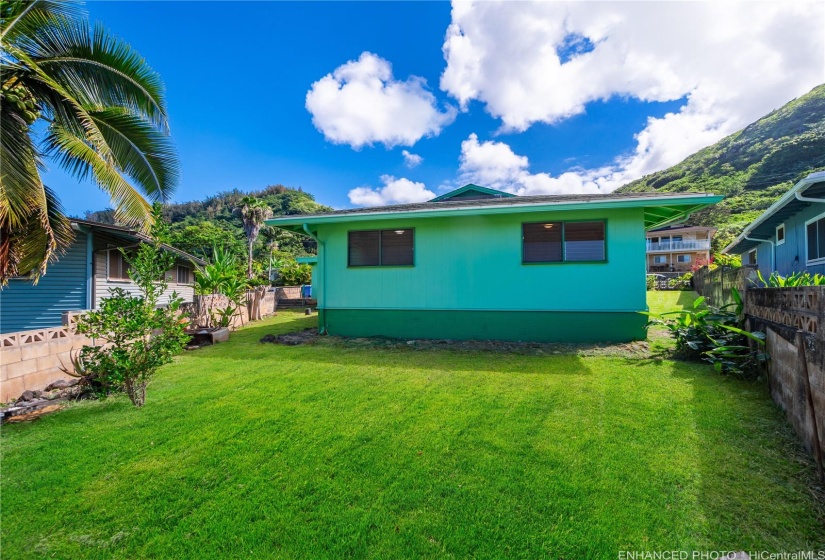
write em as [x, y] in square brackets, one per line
[790, 235]
[82, 277]
[678, 248]
[486, 265]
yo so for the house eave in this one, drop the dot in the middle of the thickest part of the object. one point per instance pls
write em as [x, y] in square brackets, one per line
[741, 244]
[667, 210]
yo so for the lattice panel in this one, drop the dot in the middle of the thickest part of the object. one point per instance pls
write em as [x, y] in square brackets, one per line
[800, 308]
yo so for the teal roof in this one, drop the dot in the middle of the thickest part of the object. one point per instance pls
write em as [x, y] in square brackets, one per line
[660, 209]
[472, 191]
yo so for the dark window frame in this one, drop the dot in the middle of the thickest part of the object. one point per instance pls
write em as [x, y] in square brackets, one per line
[124, 266]
[189, 275]
[780, 228]
[564, 260]
[819, 226]
[380, 248]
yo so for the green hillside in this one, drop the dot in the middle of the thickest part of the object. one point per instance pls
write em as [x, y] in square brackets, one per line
[198, 225]
[752, 167]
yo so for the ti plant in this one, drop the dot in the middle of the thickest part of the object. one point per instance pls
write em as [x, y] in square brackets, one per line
[795, 280]
[715, 335]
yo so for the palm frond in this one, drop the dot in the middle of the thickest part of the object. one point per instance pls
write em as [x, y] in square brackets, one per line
[76, 155]
[20, 17]
[140, 150]
[44, 237]
[97, 69]
[20, 185]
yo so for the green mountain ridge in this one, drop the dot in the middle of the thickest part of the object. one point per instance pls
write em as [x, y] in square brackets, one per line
[752, 168]
[196, 226]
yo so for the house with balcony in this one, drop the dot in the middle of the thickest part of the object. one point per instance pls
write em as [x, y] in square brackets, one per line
[678, 248]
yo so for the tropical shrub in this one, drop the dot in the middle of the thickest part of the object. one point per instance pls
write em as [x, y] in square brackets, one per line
[723, 259]
[138, 336]
[795, 280]
[650, 280]
[222, 276]
[292, 273]
[716, 335]
[683, 282]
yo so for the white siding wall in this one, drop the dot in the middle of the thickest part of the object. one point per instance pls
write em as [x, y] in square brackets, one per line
[103, 284]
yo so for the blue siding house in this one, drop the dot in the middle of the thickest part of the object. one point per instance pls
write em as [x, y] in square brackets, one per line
[82, 277]
[790, 235]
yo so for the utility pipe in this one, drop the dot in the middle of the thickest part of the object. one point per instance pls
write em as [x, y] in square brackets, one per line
[773, 248]
[322, 326]
[808, 198]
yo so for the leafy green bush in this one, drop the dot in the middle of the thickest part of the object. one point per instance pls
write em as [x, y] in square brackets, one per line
[651, 282]
[292, 273]
[795, 280]
[715, 335]
[222, 276]
[138, 336]
[683, 282]
[723, 259]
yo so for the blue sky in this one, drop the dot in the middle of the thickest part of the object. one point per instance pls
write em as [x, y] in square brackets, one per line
[540, 105]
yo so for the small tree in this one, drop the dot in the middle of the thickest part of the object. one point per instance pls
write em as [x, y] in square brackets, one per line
[138, 336]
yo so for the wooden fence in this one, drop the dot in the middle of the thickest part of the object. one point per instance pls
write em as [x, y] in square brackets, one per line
[717, 285]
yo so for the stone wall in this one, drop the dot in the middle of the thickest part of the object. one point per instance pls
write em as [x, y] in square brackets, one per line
[33, 359]
[794, 322]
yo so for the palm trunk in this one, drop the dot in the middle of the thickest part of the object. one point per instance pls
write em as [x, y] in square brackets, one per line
[249, 270]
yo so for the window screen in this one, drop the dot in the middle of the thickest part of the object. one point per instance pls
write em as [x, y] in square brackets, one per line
[584, 241]
[780, 233]
[542, 242]
[184, 275]
[396, 247]
[389, 247]
[683, 258]
[118, 267]
[816, 239]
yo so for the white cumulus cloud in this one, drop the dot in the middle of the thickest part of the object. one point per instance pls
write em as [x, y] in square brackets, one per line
[410, 159]
[394, 191]
[731, 62]
[361, 103]
[495, 165]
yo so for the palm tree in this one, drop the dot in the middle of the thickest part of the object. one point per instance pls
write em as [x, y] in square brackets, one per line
[104, 118]
[253, 212]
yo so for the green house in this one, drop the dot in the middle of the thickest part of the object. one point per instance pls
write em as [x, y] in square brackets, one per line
[482, 264]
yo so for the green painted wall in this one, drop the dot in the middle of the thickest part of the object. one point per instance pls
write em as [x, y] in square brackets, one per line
[474, 263]
[525, 326]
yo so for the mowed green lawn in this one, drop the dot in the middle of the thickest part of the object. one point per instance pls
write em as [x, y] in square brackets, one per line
[339, 450]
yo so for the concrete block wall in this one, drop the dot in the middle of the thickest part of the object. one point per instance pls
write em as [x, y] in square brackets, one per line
[30, 360]
[794, 320]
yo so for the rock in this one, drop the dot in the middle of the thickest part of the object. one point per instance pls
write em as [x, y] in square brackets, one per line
[59, 384]
[411, 342]
[26, 396]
